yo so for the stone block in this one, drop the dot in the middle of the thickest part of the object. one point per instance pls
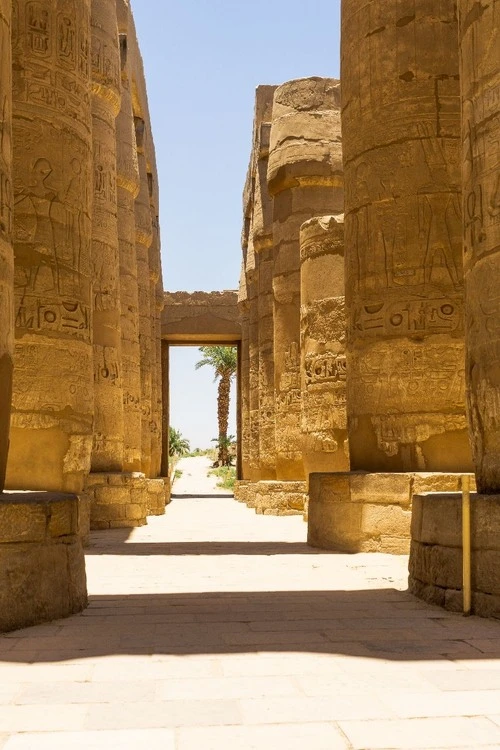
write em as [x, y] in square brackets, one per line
[63, 519]
[440, 517]
[121, 498]
[380, 488]
[22, 520]
[380, 520]
[135, 512]
[435, 565]
[383, 521]
[42, 574]
[436, 550]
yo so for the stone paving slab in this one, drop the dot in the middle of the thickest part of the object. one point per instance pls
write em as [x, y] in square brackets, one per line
[213, 627]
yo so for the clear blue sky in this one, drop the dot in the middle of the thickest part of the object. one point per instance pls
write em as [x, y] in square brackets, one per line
[203, 60]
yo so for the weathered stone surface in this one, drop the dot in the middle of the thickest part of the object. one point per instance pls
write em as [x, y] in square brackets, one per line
[121, 500]
[277, 498]
[322, 345]
[127, 191]
[42, 568]
[51, 433]
[189, 316]
[6, 253]
[107, 448]
[404, 288]
[363, 512]
[304, 179]
[480, 87]
[436, 551]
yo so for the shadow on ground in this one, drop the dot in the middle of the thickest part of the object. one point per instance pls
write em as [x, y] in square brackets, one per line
[382, 624]
[208, 548]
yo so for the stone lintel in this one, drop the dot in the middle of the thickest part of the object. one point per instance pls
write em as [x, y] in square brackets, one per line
[436, 551]
[42, 565]
[364, 512]
[201, 318]
[273, 498]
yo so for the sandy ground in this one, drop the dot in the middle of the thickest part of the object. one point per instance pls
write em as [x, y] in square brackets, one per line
[195, 481]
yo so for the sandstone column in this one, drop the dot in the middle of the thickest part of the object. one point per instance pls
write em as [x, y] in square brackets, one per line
[262, 233]
[480, 82]
[6, 253]
[323, 332]
[127, 191]
[404, 290]
[51, 433]
[144, 239]
[165, 384]
[107, 452]
[244, 373]
[302, 175]
[156, 307]
[253, 362]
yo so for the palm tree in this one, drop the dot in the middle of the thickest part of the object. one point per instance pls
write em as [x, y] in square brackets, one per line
[224, 360]
[177, 445]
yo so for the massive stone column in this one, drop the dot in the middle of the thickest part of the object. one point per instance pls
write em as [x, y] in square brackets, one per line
[480, 84]
[404, 292]
[51, 435]
[322, 351]
[144, 239]
[304, 180]
[107, 451]
[6, 253]
[127, 191]
[42, 566]
[244, 374]
[404, 279]
[156, 297]
[262, 235]
[253, 362]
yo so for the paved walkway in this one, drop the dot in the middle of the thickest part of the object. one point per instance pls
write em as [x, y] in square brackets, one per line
[195, 478]
[213, 628]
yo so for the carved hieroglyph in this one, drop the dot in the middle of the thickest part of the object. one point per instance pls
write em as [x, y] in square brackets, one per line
[323, 333]
[404, 291]
[305, 180]
[144, 238]
[6, 254]
[480, 82]
[107, 449]
[127, 191]
[52, 415]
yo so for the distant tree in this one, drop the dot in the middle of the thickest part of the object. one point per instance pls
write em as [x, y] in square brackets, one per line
[224, 361]
[177, 445]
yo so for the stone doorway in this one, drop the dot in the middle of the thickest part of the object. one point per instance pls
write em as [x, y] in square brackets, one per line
[193, 319]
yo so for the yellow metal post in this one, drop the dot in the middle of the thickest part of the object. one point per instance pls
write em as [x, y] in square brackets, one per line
[466, 546]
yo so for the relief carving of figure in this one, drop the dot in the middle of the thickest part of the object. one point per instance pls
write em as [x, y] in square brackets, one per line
[35, 230]
[439, 212]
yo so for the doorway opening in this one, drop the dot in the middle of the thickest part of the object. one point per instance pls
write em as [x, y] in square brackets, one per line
[203, 418]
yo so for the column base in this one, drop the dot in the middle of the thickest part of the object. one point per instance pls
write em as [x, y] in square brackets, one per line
[158, 496]
[364, 512]
[273, 497]
[42, 565]
[118, 500]
[435, 571]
